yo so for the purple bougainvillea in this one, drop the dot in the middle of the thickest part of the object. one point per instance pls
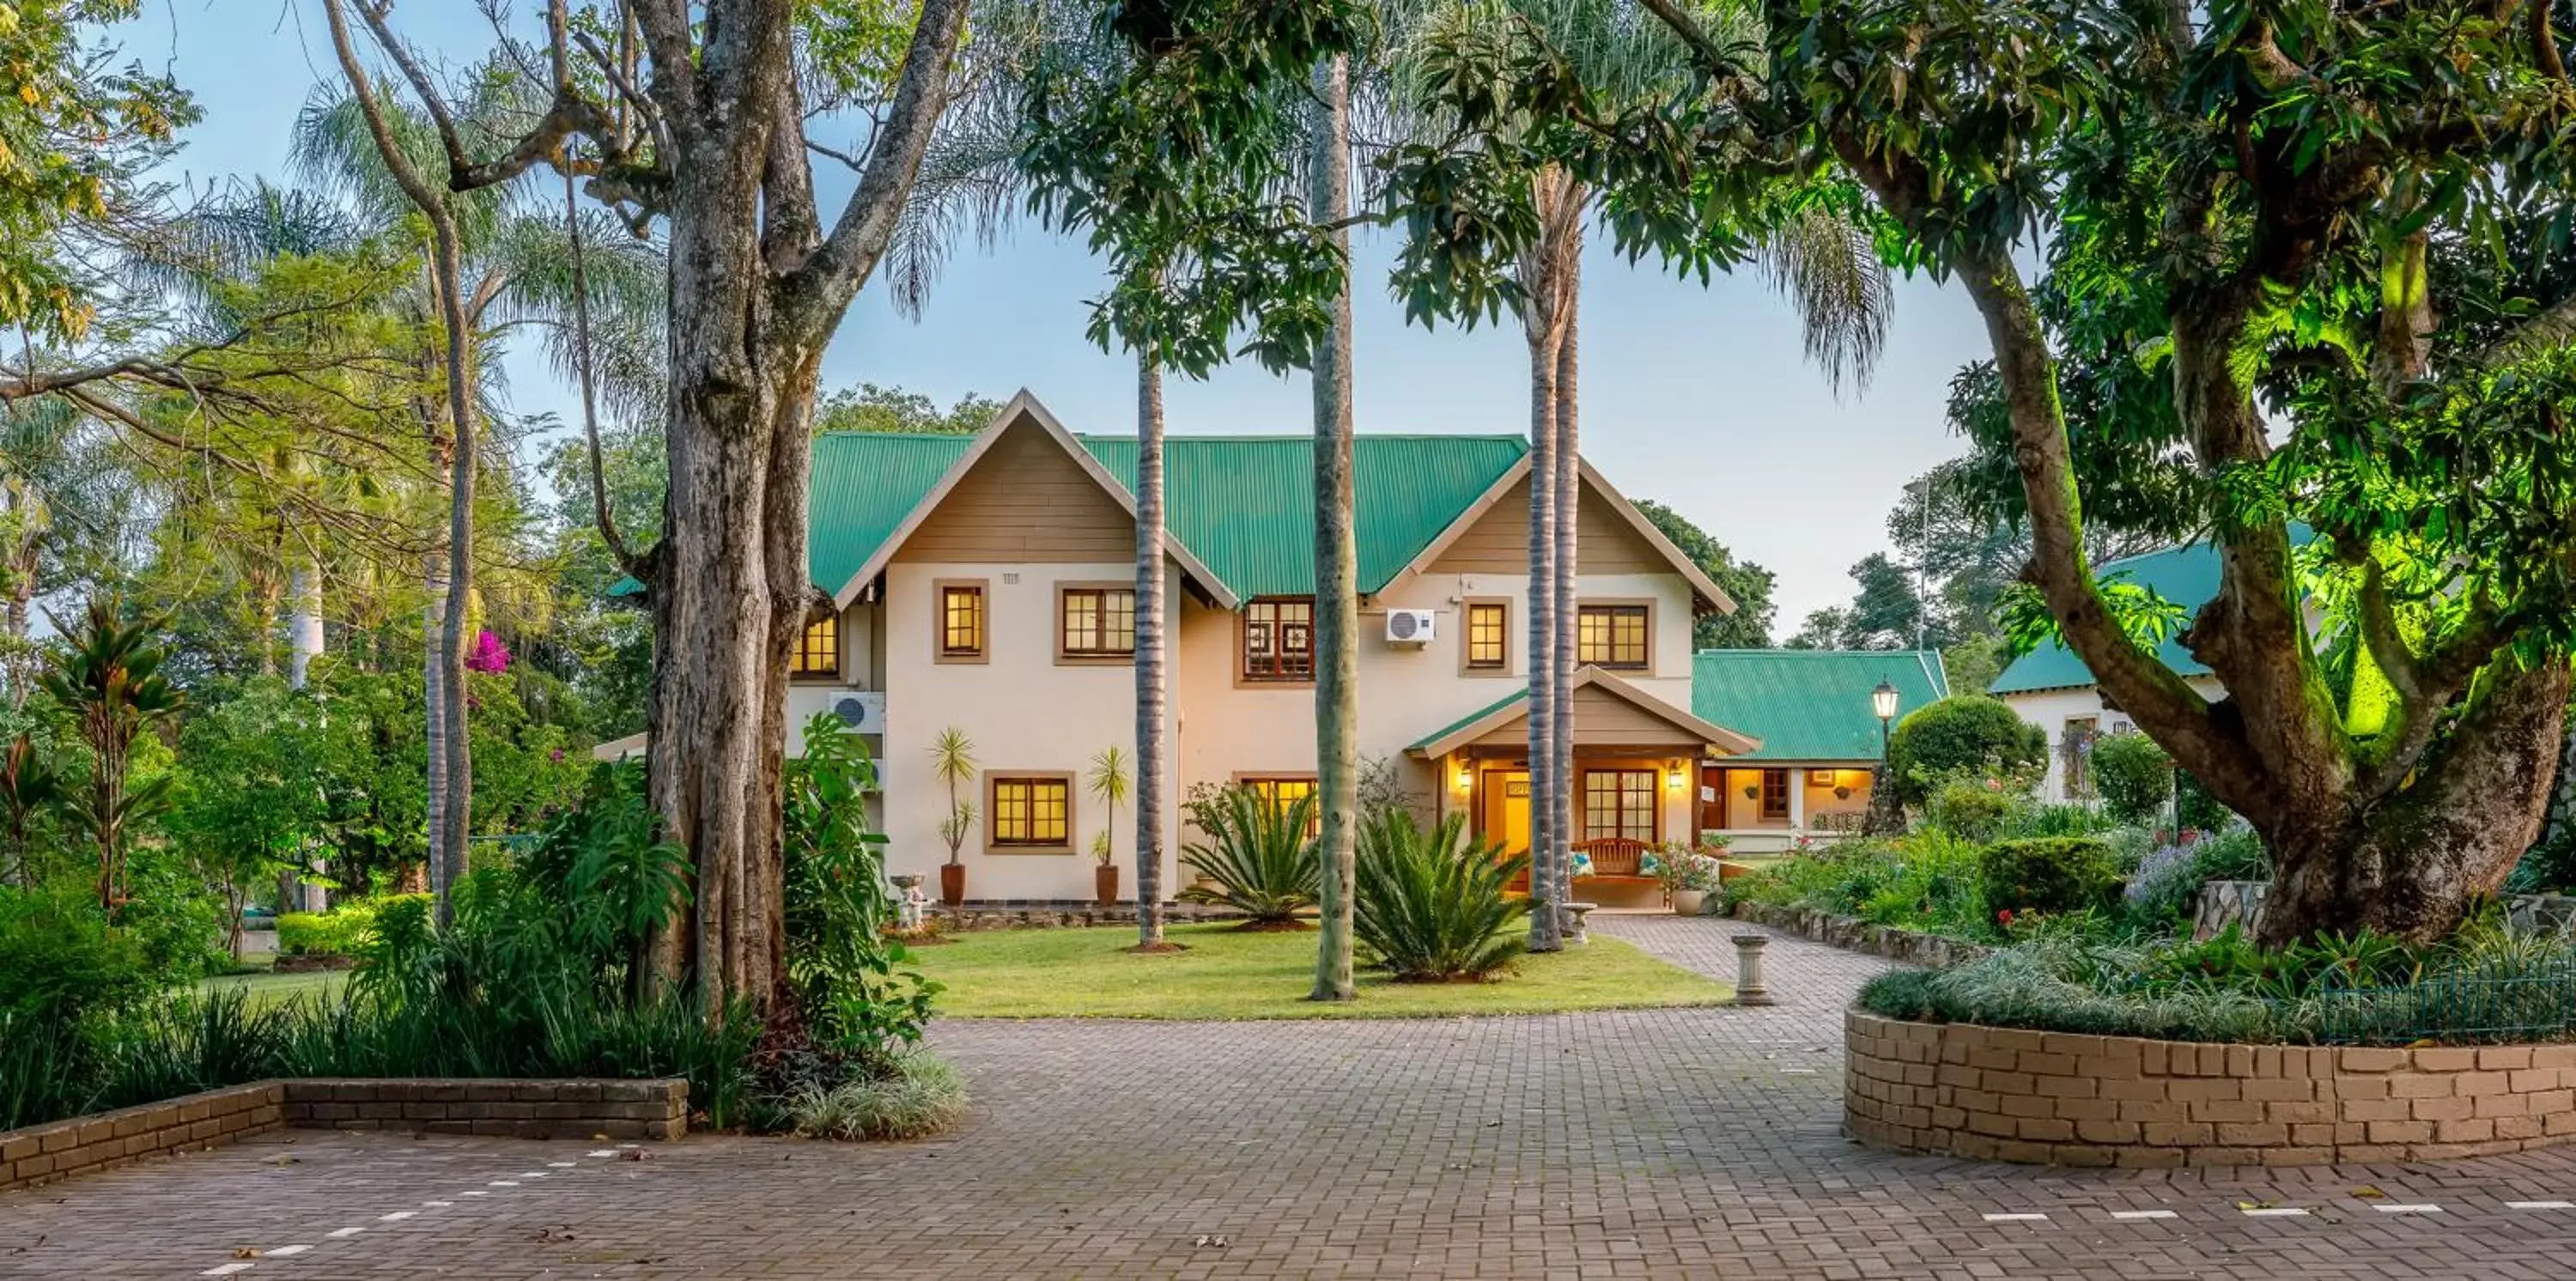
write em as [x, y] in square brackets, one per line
[488, 655]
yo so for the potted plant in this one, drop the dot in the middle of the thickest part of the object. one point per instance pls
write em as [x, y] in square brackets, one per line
[1687, 877]
[1713, 846]
[952, 758]
[1108, 781]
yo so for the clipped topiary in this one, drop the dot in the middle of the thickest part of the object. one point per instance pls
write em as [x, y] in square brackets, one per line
[1960, 735]
[2047, 874]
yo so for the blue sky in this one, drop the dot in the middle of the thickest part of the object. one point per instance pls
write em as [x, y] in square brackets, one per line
[1698, 397]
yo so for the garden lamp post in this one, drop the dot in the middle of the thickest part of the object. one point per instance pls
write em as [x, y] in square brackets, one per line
[1883, 701]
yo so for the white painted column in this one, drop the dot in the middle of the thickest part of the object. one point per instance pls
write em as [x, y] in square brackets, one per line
[1797, 798]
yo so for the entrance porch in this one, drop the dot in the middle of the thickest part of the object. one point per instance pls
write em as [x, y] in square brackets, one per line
[1635, 759]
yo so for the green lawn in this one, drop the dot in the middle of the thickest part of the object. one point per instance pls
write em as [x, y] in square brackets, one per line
[1230, 975]
[278, 989]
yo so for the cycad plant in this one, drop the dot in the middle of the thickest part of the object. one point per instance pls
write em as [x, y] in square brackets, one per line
[109, 679]
[1259, 857]
[1431, 902]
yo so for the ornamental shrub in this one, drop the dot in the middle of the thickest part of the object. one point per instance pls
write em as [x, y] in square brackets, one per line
[1967, 809]
[2133, 776]
[1431, 903]
[1258, 857]
[2047, 874]
[1964, 734]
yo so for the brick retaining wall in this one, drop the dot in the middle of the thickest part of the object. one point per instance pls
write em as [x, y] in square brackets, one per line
[44, 1153]
[2007, 1094]
[575, 1109]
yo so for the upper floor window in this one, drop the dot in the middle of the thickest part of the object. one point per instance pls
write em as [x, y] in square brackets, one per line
[961, 621]
[1619, 803]
[1032, 810]
[1611, 635]
[818, 651]
[1096, 622]
[1279, 639]
[1489, 646]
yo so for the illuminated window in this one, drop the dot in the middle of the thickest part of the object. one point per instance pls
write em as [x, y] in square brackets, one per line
[961, 620]
[1283, 791]
[1610, 635]
[1619, 803]
[1032, 810]
[818, 651]
[1488, 638]
[1279, 639]
[1097, 622]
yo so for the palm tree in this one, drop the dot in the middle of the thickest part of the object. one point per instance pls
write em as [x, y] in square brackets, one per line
[1336, 553]
[513, 266]
[1153, 757]
[109, 680]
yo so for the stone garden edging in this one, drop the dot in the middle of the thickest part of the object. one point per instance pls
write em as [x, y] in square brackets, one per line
[566, 1109]
[1855, 935]
[2053, 1098]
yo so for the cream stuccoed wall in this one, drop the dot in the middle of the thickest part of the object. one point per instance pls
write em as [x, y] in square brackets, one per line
[1231, 728]
[1023, 711]
[2050, 709]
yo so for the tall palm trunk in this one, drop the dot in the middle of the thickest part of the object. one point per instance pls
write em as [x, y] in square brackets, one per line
[1150, 742]
[1564, 567]
[1550, 593]
[1336, 556]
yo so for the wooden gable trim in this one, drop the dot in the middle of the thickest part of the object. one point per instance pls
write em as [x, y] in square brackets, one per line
[1021, 406]
[1702, 588]
[1717, 738]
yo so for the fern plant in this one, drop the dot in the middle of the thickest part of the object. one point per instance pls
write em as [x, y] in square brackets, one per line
[1431, 902]
[1258, 857]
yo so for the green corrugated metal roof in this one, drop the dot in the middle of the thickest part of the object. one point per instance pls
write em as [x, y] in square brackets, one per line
[1246, 504]
[1810, 704]
[1518, 695]
[865, 483]
[2187, 575]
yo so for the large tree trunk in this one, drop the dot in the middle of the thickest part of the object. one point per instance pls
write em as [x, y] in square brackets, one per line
[1337, 604]
[2410, 865]
[1545, 891]
[1150, 742]
[457, 821]
[434, 682]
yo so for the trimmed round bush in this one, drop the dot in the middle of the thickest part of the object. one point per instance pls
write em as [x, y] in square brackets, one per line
[2133, 775]
[2047, 874]
[1964, 733]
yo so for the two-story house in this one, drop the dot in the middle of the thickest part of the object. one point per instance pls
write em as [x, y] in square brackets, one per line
[986, 586]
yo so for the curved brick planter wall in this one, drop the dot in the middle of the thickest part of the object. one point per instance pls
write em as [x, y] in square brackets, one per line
[2004, 1094]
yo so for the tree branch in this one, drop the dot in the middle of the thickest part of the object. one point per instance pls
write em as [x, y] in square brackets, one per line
[831, 276]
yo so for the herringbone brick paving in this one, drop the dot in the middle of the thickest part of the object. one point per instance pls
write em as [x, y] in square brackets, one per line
[1630, 1144]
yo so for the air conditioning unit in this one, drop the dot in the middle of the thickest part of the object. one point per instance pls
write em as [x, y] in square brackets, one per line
[860, 709]
[1409, 626]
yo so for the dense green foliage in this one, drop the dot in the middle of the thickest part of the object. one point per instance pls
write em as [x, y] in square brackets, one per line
[1963, 736]
[1748, 625]
[2133, 776]
[2046, 874]
[1431, 904]
[1256, 857]
[2484, 984]
[1926, 881]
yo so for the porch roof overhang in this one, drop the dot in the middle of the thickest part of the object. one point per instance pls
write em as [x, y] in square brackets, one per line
[1687, 731]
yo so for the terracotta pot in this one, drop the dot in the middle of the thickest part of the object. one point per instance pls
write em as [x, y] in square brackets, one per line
[952, 883]
[1104, 883]
[1729, 871]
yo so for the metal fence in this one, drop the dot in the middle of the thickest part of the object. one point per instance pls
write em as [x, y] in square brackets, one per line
[2486, 1003]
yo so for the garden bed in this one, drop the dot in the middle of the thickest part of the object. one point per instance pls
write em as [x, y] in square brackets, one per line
[2011, 1094]
[569, 1109]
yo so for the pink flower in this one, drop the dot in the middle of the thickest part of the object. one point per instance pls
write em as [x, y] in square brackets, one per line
[488, 655]
[2004, 916]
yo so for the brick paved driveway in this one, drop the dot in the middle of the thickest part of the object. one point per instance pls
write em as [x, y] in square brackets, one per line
[1655, 1143]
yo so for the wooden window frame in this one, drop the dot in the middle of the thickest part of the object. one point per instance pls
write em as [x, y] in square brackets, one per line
[1467, 664]
[1067, 656]
[1243, 674]
[1645, 607]
[1762, 805]
[939, 589]
[994, 843]
[1253, 782]
[1654, 786]
[799, 673]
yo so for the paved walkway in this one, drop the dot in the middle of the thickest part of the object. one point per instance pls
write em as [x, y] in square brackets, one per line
[1652, 1143]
